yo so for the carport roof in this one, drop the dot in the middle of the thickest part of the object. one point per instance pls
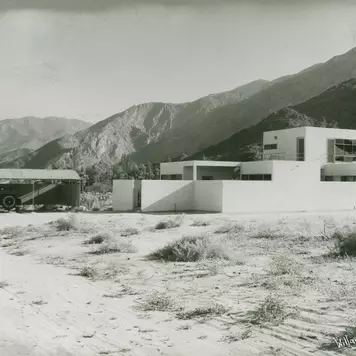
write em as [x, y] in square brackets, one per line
[39, 174]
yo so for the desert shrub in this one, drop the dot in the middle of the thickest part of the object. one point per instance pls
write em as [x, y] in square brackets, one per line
[157, 302]
[99, 187]
[11, 231]
[283, 264]
[130, 231]
[202, 312]
[71, 223]
[88, 272]
[270, 311]
[229, 228]
[170, 223]
[113, 246]
[190, 249]
[265, 234]
[99, 239]
[200, 223]
[345, 243]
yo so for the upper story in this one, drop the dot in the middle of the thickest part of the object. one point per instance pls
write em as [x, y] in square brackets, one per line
[317, 144]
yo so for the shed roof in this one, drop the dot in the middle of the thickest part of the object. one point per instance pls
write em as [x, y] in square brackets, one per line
[39, 174]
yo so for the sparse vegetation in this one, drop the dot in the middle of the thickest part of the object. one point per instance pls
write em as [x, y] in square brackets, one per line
[345, 243]
[170, 223]
[200, 223]
[229, 228]
[191, 249]
[270, 311]
[266, 234]
[88, 272]
[130, 231]
[284, 264]
[157, 302]
[71, 223]
[99, 239]
[202, 312]
[115, 246]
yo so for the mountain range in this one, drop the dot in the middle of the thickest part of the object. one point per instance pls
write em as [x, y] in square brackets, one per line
[19, 137]
[336, 107]
[213, 126]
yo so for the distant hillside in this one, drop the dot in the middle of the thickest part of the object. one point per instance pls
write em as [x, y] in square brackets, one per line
[20, 136]
[336, 107]
[129, 131]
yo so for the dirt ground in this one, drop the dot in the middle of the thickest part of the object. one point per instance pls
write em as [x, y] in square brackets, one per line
[60, 296]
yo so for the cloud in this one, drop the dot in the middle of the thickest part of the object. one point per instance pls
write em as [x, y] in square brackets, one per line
[104, 5]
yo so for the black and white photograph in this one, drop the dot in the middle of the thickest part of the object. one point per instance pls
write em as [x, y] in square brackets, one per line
[177, 177]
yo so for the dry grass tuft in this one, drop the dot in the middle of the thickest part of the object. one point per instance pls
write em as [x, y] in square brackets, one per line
[272, 311]
[88, 272]
[170, 223]
[229, 228]
[115, 246]
[345, 244]
[202, 312]
[234, 337]
[71, 223]
[157, 302]
[266, 234]
[130, 231]
[191, 249]
[200, 223]
[99, 239]
[284, 264]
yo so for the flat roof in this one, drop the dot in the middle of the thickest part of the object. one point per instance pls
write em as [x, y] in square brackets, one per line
[206, 163]
[39, 174]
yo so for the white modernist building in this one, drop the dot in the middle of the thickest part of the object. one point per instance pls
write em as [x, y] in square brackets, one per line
[302, 169]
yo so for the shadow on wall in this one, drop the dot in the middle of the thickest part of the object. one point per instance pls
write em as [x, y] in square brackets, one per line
[181, 199]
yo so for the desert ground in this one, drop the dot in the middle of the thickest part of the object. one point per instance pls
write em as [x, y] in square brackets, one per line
[153, 284]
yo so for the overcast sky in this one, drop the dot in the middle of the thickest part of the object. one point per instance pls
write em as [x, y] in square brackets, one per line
[96, 58]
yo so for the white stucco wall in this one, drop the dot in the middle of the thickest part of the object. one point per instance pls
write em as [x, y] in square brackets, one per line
[168, 168]
[167, 195]
[258, 167]
[208, 195]
[123, 195]
[286, 141]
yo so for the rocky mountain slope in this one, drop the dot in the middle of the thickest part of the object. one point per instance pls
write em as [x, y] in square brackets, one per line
[222, 122]
[336, 107]
[129, 131]
[18, 137]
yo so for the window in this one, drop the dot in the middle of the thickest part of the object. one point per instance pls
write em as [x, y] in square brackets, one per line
[272, 146]
[207, 177]
[300, 149]
[340, 178]
[340, 150]
[257, 177]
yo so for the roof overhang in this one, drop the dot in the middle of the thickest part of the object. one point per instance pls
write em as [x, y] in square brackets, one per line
[39, 174]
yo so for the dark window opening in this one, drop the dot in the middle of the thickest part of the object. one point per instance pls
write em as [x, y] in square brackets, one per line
[207, 177]
[300, 149]
[256, 177]
[272, 146]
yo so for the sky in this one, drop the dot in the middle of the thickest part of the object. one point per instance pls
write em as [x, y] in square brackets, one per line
[90, 59]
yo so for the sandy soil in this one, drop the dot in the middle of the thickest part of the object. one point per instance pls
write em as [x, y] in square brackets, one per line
[47, 308]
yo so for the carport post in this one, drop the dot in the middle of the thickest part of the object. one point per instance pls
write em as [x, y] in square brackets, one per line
[194, 171]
